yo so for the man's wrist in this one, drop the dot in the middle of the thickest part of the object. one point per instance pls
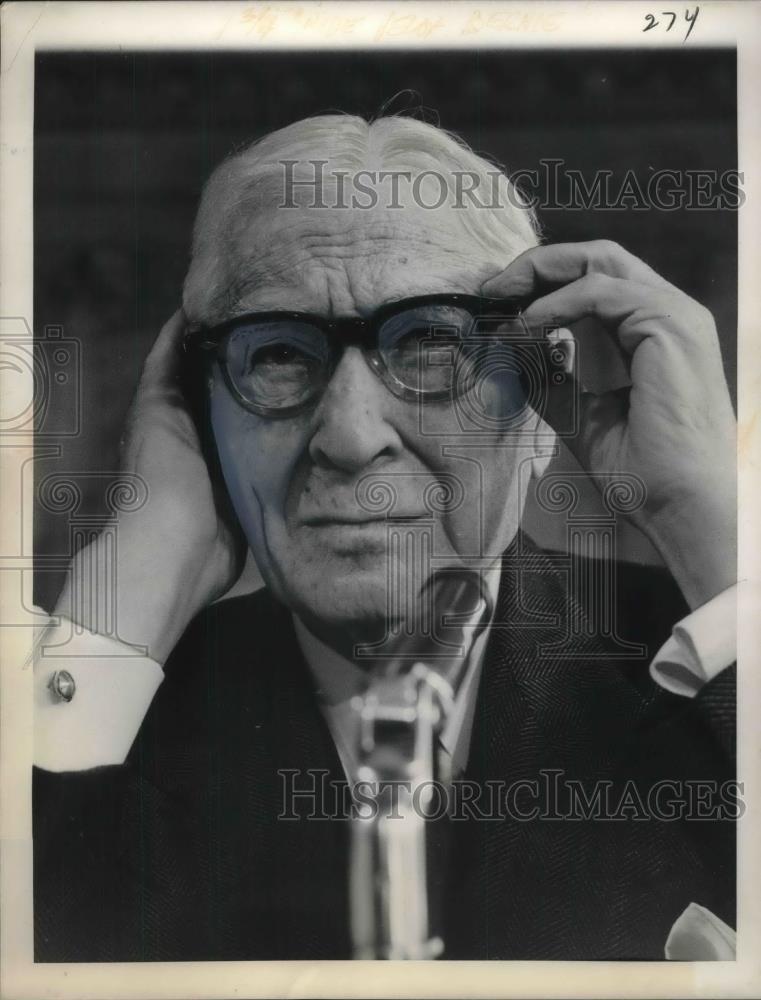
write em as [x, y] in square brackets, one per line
[137, 595]
[698, 545]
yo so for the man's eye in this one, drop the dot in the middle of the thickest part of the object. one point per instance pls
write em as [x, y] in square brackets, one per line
[404, 357]
[408, 347]
[275, 355]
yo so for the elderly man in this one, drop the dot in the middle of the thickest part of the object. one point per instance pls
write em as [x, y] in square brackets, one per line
[305, 384]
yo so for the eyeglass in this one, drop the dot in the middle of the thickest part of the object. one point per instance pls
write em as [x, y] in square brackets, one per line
[278, 363]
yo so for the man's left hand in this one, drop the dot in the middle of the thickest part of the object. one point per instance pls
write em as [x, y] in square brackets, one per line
[675, 427]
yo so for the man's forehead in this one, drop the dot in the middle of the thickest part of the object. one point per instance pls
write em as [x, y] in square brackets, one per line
[345, 261]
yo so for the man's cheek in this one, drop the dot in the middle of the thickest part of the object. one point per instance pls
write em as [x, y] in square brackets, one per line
[442, 486]
[254, 488]
[259, 489]
[257, 455]
[492, 480]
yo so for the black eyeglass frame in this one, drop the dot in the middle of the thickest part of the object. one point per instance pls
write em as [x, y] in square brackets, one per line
[341, 332]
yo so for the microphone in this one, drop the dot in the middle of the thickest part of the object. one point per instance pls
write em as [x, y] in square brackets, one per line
[410, 695]
[453, 602]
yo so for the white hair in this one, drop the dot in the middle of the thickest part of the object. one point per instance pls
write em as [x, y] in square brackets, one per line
[504, 226]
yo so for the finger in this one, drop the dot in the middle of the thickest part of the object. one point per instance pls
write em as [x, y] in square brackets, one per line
[560, 263]
[162, 365]
[613, 301]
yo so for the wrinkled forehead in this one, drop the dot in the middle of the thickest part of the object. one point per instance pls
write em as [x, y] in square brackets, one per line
[331, 250]
[346, 260]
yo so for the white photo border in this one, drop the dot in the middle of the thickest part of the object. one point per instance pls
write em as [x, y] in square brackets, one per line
[31, 27]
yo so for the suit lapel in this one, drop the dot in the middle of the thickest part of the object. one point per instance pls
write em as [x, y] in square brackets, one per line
[312, 850]
[520, 880]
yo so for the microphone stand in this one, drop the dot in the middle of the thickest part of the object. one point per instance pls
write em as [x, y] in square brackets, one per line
[402, 713]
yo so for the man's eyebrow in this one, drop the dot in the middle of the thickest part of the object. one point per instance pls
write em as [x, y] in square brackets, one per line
[415, 298]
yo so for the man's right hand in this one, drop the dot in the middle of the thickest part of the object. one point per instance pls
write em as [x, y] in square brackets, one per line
[175, 554]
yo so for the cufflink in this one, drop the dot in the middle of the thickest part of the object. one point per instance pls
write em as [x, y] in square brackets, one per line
[61, 685]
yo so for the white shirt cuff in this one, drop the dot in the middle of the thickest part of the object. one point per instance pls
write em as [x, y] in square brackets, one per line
[701, 646]
[114, 687]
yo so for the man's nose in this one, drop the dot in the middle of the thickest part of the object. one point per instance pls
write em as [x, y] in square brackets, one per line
[351, 426]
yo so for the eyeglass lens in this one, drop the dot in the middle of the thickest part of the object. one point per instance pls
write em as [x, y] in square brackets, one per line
[284, 363]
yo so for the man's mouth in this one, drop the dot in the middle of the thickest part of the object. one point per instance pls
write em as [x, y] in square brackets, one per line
[355, 520]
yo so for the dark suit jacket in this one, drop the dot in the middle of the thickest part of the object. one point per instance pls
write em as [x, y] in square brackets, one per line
[179, 854]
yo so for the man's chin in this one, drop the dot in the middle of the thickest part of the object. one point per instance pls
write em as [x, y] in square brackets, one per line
[350, 601]
[357, 591]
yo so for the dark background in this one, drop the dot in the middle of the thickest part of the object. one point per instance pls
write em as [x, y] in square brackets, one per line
[124, 142]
